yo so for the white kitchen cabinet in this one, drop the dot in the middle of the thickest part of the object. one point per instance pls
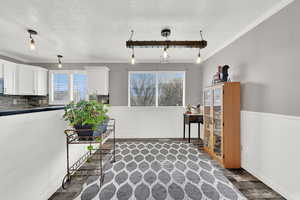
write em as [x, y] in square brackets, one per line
[98, 80]
[25, 77]
[9, 78]
[41, 81]
[1, 69]
[21, 79]
[32, 80]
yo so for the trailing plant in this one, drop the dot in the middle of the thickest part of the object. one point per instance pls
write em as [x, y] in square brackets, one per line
[84, 112]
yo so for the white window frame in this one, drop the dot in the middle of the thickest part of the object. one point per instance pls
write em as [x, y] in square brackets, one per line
[156, 86]
[70, 74]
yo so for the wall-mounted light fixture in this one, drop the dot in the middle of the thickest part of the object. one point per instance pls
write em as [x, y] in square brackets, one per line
[32, 42]
[59, 57]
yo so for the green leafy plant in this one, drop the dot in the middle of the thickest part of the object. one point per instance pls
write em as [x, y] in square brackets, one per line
[84, 112]
[90, 148]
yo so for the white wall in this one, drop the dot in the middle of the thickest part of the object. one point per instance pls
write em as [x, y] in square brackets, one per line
[33, 155]
[271, 150]
[143, 122]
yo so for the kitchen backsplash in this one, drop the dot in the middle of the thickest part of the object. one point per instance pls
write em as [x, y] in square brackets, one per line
[8, 101]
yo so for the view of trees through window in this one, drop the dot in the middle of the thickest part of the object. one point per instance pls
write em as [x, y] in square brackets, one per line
[156, 88]
[170, 89]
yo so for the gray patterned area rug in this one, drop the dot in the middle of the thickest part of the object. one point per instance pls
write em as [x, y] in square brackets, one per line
[161, 171]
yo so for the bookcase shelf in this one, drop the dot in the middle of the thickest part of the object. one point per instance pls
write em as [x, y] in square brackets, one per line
[222, 123]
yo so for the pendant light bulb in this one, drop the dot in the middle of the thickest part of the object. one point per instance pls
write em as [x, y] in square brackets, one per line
[198, 61]
[165, 53]
[32, 44]
[132, 59]
[59, 61]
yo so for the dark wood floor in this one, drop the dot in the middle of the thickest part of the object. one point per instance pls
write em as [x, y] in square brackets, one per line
[249, 185]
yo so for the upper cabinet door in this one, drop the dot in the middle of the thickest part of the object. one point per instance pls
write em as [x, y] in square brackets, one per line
[26, 82]
[9, 78]
[41, 82]
[98, 80]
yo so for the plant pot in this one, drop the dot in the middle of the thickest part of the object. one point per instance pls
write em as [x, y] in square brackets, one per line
[102, 128]
[84, 132]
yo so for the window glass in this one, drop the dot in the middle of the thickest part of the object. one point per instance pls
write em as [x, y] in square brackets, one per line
[142, 89]
[79, 87]
[156, 88]
[170, 88]
[61, 87]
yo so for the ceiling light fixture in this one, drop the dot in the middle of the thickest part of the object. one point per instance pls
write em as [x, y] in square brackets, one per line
[59, 57]
[32, 42]
[166, 44]
[166, 32]
[132, 54]
[198, 60]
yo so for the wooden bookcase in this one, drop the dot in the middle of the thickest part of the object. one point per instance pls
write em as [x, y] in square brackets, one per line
[222, 123]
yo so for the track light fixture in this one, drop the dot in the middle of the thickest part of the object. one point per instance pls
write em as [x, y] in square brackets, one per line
[166, 44]
[32, 42]
[59, 57]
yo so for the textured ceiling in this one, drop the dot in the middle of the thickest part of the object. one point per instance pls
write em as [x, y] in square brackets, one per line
[96, 30]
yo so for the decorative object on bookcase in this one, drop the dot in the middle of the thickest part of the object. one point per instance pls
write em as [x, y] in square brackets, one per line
[189, 109]
[217, 76]
[222, 123]
[221, 75]
[225, 73]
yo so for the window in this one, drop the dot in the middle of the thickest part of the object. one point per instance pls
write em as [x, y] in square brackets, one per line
[79, 87]
[61, 87]
[170, 89]
[142, 89]
[156, 88]
[67, 86]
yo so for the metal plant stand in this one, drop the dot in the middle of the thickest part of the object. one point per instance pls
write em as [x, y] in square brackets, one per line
[97, 143]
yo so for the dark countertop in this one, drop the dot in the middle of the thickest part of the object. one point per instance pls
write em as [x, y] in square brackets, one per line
[16, 111]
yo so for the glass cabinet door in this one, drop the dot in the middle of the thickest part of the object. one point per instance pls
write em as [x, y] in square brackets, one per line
[217, 121]
[207, 117]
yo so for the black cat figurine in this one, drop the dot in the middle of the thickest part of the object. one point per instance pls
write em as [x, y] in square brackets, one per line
[225, 73]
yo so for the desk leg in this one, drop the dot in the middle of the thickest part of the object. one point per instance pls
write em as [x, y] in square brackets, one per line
[199, 131]
[189, 132]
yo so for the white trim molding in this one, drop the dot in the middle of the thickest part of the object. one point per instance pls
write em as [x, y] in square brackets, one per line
[270, 150]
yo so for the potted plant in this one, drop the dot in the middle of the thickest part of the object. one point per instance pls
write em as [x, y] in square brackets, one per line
[86, 117]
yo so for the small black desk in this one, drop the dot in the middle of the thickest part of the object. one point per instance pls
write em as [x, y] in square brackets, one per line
[189, 119]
